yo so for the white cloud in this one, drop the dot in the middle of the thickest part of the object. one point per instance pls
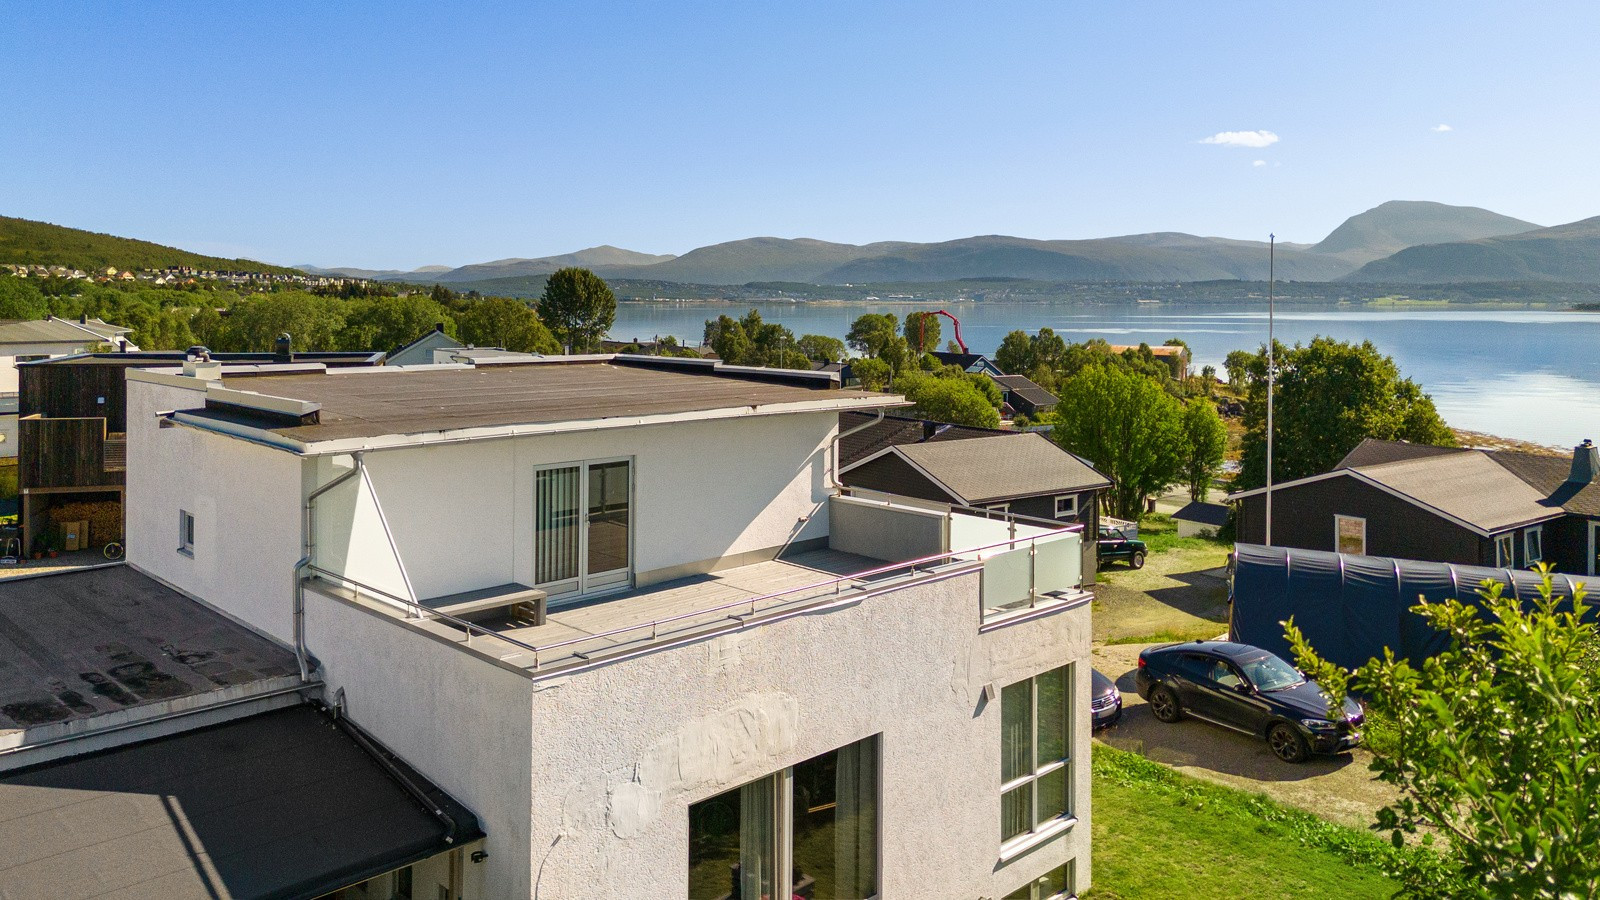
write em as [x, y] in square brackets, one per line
[1259, 163]
[1242, 139]
[1442, 127]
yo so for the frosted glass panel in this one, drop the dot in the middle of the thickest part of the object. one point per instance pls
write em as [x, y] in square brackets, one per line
[1059, 564]
[1005, 579]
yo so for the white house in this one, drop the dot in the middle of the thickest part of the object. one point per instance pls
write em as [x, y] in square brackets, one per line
[22, 341]
[621, 610]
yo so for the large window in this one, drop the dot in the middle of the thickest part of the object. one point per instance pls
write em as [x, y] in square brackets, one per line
[1350, 535]
[1533, 545]
[1056, 884]
[818, 821]
[1036, 745]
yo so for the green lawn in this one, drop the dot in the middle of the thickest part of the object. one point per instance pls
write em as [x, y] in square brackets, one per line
[1160, 834]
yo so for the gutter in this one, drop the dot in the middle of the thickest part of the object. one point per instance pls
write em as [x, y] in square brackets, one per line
[308, 524]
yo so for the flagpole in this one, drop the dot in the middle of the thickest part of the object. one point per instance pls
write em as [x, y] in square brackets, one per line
[1272, 365]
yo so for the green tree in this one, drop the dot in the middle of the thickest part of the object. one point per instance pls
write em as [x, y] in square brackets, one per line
[726, 337]
[1495, 747]
[874, 374]
[821, 348]
[254, 323]
[1236, 364]
[750, 341]
[388, 323]
[1330, 396]
[1128, 427]
[871, 333]
[1015, 356]
[922, 332]
[578, 308]
[168, 330]
[19, 299]
[506, 323]
[955, 400]
[1205, 440]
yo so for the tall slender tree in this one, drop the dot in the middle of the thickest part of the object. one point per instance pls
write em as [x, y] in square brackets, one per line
[578, 307]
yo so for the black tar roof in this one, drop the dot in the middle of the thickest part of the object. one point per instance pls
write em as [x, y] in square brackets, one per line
[402, 401]
[284, 804]
[175, 357]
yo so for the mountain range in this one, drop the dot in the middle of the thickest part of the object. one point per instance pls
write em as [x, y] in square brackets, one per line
[1369, 238]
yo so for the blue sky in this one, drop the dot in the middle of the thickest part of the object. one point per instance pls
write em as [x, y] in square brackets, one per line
[413, 134]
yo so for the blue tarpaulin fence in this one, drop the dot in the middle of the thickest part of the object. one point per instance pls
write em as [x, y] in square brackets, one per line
[1352, 607]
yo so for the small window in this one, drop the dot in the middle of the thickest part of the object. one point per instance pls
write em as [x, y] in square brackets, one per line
[1533, 545]
[185, 533]
[999, 507]
[1066, 506]
[1056, 884]
[1505, 550]
[1350, 535]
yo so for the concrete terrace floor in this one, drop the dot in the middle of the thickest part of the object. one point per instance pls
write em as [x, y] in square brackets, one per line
[696, 603]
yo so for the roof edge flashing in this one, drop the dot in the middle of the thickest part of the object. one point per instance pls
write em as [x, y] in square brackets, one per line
[267, 403]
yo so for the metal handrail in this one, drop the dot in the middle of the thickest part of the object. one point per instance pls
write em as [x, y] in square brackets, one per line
[1014, 518]
[910, 566]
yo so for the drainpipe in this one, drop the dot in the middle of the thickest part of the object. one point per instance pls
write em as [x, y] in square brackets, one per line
[307, 542]
[833, 449]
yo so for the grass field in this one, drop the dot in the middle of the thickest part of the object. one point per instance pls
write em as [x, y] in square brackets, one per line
[1160, 834]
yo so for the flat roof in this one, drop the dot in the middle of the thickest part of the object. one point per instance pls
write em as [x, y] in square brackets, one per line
[287, 804]
[417, 403]
[80, 644]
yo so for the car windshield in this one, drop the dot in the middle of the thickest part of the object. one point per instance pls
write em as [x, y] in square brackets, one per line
[1269, 673]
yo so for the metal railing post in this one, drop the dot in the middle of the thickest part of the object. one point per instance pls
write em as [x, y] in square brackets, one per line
[1033, 574]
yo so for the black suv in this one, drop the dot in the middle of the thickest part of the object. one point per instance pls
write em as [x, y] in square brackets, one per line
[1247, 689]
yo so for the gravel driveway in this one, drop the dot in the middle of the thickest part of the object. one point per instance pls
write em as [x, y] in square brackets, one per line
[1338, 788]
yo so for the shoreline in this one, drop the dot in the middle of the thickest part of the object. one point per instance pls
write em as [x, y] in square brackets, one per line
[1484, 441]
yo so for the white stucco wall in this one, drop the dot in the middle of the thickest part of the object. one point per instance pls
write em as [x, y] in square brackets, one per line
[611, 791]
[245, 500]
[461, 514]
[459, 720]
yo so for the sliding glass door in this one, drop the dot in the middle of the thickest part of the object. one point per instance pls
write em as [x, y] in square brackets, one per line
[582, 527]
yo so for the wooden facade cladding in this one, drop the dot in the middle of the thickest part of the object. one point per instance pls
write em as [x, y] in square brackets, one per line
[65, 453]
[67, 391]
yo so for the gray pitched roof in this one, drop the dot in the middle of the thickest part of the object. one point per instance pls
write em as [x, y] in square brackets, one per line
[894, 430]
[990, 469]
[58, 331]
[1373, 452]
[1548, 475]
[1024, 387]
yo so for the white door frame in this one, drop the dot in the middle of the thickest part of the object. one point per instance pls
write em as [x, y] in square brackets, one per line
[584, 587]
[1594, 547]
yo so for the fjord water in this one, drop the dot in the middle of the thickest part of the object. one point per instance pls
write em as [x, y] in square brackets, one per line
[1529, 374]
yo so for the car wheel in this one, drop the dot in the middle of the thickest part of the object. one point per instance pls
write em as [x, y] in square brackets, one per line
[1137, 561]
[1286, 743]
[1164, 704]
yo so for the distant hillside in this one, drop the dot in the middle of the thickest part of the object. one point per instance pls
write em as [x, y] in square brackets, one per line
[604, 257]
[40, 243]
[1398, 224]
[1567, 253]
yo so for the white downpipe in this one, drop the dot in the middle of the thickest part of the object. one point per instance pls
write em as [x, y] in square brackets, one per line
[308, 524]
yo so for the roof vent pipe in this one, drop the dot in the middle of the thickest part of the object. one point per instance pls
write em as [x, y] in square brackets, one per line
[1585, 463]
[283, 349]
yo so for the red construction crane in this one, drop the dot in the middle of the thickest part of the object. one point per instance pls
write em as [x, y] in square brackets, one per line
[957, 323]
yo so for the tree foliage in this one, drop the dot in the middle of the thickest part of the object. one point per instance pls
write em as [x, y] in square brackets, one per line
[506, 323]
[922, 332]
[1496, 745]
[578, 308]
[1204, 442]
[958, 400]
[874, 374]
[751, 341]
[871, 333]
[821, 348]
[1128, 427]
[388, 323]
[1330, 396]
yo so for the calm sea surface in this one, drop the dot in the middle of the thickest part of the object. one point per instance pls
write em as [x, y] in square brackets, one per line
[1527, 374]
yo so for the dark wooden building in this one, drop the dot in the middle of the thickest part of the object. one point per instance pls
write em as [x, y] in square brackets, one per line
[1024, 397]
[1022, 473]
[72, 424]
[1500, 508]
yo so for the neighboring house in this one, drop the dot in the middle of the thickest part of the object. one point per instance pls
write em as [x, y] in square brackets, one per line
[420, 351]
[1197, 518]
[1018, 473]
[49, 337]
[976, 363]
[72, 423]
[1175, 356]
[1498, 508]
[616, 607]
[1023, 397]
[151, 747]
